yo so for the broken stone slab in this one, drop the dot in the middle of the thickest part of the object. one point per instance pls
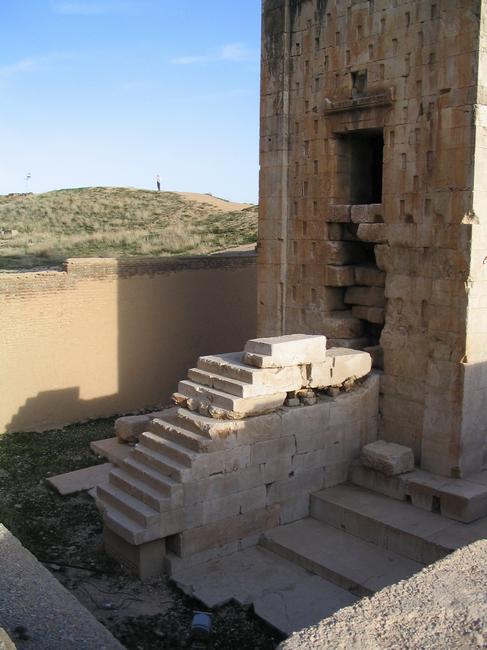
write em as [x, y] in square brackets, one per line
[81, 479]
[342, 364]
[224, 406]
[388, 457]
[231, 366]
[111, 449]
[289, 381]
[288, 350]
[129, 427]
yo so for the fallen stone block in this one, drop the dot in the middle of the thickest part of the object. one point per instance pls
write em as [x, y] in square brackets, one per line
[81, 479]
[129, 427]
[289, 350]
[388, 457]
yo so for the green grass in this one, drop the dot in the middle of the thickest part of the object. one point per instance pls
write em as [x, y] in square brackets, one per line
[41, 230]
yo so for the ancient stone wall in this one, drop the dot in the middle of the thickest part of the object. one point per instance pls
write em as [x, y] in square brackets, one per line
[372, 200]
[113, 336]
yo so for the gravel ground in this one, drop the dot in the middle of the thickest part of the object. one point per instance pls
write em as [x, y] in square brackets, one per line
[64, 533]
[444, 606]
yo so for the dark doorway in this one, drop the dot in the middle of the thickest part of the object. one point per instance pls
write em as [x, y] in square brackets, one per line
[360, 172]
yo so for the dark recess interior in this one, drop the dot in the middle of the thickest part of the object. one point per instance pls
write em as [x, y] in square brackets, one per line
[364, 160]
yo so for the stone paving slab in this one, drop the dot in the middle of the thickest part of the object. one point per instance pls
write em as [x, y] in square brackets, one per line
[285, 595]
[31, 598]
[111, 449]
[81, 479]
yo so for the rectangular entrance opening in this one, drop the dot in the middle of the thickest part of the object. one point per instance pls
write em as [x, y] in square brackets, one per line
[360, 166]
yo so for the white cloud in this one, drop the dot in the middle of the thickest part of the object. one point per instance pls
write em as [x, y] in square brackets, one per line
[236, 52]
[93, 8]
[25, 65]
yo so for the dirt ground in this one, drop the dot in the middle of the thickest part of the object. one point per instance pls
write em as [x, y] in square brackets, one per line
[65, 534]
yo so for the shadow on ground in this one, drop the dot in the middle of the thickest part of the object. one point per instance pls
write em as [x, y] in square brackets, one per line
[65, 534]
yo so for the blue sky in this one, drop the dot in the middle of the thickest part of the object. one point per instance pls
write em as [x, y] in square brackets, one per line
[113, 92]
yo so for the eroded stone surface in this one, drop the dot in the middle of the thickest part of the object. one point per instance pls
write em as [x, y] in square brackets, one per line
[388, 457]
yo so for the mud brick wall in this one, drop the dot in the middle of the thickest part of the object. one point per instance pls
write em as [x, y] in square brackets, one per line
[108, 336]
[373, 154]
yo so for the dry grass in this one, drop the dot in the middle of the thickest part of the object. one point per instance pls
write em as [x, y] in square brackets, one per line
[44, 229]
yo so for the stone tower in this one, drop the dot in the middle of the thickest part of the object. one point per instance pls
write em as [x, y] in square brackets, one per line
[373, 203]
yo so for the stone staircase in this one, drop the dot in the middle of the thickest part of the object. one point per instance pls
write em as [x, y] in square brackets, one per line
[355, 542]
[145, 498]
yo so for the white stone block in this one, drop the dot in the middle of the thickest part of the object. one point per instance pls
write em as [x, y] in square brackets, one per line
[289, 350]
[388, 457]
[348, 363]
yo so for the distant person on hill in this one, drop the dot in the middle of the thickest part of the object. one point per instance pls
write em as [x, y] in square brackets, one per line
[158, 182]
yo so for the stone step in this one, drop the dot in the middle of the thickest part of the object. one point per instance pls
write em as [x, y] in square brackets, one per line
[232, 367]
[235, 407]
[169, 448]
[287, 350]
[140, 490]
[126, 528]
[215, 429]
[176, 431]
[348, 561]
[393, 525]
[153, 458]
[463, 500]
[366, 477]
[164, 485]
[293, 382]
[129, 506]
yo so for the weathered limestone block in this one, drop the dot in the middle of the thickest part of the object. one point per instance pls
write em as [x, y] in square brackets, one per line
[339, 276]
[229, 406]
[289, 350]
[346, 364]
[129, 427]
[388, 457]
[372, 232]
[369, 276]
[342, 325]
[370, 213]
[372, 314]
[367, 296]
[290, 382]
[227, 530]
[342, 252]
[338, 213]
[231, 366]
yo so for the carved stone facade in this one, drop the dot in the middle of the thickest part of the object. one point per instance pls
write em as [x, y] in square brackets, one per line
[373, 186]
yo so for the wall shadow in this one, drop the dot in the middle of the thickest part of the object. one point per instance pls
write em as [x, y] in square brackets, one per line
[168, 312]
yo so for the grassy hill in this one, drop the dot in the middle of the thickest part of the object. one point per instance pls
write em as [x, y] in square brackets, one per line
[44, 229]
